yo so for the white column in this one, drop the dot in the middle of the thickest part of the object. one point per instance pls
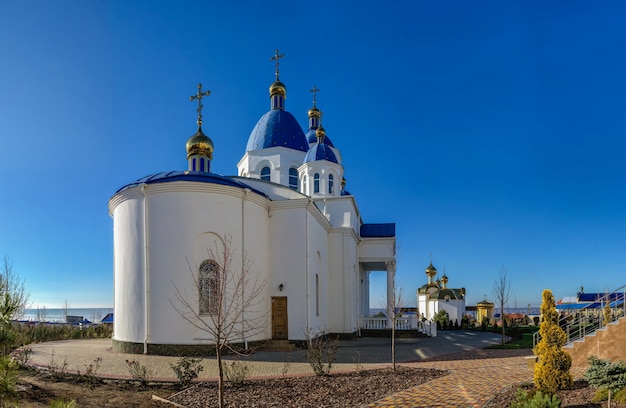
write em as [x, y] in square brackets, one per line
[391, 274]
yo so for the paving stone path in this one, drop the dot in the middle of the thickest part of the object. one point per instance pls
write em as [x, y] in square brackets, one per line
[476, 373]
[475, 377]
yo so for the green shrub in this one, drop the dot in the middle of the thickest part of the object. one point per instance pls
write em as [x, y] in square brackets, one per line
[604, 374]
[525, 399]
[620, 396]
[236, 372]
[441, 318]
[187, 369]
[8, 377]
[60, 403]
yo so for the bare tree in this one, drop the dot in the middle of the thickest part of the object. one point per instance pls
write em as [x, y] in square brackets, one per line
[395, 309]
[501, 293]
[14, 298]
[230, 313]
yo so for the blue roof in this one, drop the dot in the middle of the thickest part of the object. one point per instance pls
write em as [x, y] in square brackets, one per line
[320, 152]
[311, 136]
[591, 297]
[378, 230]
[107, 319]
[197, 176]
[277, 128]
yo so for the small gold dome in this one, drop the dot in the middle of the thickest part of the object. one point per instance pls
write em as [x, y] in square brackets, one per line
[199, 144]
[431, 270]
[320, 132]
[315, 113]
[278, 88]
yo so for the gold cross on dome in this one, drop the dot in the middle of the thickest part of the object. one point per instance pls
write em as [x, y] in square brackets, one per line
[277, 58]
[314, 91]
[199, 97]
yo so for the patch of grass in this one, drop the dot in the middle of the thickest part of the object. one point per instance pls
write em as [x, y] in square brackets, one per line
[526, 342]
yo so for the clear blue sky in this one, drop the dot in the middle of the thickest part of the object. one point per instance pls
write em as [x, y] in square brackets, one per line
[492, 133]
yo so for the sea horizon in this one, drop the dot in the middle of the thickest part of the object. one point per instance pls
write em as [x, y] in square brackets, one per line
[57, 315]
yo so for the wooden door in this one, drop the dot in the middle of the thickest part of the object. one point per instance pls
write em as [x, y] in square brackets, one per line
[279, 318]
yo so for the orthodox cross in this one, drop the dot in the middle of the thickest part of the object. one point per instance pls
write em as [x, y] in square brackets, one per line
[277, 58]
[314, 91]
[199, 97]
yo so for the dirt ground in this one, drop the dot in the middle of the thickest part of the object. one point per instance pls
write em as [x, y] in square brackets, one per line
[38, 389]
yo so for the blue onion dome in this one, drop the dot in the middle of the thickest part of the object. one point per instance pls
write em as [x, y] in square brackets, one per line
[277, 128]
[320, 151]
[199, 144]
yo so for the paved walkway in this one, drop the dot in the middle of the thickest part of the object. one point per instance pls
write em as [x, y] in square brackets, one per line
[476, 373]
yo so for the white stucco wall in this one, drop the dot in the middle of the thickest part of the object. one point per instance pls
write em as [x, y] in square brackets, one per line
[129, 283]
[185, 219]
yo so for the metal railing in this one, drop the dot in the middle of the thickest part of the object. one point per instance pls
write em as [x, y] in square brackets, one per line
[586, 320]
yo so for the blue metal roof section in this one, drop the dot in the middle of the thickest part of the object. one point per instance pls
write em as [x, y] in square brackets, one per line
[311, 136]
[320, 151]
[277, 128]
[378, 230]
[196, 176]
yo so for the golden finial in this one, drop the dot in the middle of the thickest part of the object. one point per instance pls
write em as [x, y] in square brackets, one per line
[314, 91]
[199, 97]
[277, 58]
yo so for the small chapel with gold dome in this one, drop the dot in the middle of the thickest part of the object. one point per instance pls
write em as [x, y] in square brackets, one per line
[436, 295]
[286, 216]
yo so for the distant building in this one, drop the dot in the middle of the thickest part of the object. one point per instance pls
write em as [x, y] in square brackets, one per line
[485, 311]
[435, 296]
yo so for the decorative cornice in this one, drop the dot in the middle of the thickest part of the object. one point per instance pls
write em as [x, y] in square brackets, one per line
[187, 187]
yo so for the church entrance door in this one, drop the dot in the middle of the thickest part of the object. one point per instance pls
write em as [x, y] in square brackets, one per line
[279, 318]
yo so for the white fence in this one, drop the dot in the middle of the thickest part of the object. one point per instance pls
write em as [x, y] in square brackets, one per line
[402, 323]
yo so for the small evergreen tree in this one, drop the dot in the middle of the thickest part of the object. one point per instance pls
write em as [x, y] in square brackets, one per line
[552, 369]
[441, 318]
[608, 316]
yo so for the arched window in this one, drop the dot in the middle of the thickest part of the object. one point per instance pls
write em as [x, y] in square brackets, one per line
[194, 166]
[208, 286]
[265, 173]
[293, 179]
[330, 184]
[316, 183]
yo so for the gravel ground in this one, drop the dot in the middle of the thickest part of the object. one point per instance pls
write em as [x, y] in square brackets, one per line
[353, 389]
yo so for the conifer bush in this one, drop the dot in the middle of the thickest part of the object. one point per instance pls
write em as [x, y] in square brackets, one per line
[525, 399]
[606, 376]
[552, 369]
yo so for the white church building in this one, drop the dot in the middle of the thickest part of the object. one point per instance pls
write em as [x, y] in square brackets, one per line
[436, 296]
[287, 212]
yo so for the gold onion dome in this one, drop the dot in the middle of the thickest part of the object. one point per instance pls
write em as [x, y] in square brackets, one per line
[315, 113]
[199, 144]
[431, 270]
[320, 132]
[278, 88]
